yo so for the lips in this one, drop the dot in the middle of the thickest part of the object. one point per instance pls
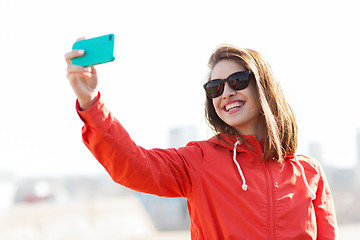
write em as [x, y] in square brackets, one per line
[233, 105]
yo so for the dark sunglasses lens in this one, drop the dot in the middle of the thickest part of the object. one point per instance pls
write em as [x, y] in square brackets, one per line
[239, 80]
[214, 88]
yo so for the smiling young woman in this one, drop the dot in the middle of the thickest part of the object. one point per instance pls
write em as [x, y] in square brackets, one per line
[280, 125]
[244, 183]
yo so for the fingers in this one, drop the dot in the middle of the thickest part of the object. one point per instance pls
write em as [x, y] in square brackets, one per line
[81, 38]
[78, 69]
[73, 54]
[74, 70]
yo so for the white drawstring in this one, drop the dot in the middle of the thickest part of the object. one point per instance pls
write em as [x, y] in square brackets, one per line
[244, 186]
[312, 194]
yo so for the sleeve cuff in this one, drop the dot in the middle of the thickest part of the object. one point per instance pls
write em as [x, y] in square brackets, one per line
[95, 115]
[79, 109]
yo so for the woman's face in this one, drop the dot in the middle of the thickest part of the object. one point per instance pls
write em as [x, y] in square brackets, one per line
[239, 109]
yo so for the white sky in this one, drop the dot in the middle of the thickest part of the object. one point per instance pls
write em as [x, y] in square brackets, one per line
[156, 81]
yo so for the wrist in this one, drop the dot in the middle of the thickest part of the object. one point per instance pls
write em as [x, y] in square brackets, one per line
[86, 102]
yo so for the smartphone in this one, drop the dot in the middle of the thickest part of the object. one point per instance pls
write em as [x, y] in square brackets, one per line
[98, 50]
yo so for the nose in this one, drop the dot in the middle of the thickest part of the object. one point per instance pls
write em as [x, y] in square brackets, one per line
[228, 91]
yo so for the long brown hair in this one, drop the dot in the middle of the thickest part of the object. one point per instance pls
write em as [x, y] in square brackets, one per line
[281, 128]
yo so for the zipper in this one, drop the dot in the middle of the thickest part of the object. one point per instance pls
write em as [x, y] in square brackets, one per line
[269, 184]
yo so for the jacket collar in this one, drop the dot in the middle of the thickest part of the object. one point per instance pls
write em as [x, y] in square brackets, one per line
[248, 143]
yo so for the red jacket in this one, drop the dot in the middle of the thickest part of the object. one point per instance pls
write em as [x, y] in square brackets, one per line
[276, 204]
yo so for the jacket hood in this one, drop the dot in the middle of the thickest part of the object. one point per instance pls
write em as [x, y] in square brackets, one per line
[231, 142]
[228, 141]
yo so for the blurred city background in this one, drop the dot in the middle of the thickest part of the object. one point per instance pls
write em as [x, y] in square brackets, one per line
[94, 207]
[51, 187]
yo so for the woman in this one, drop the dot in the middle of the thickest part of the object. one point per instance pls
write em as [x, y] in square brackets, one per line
[244, 183]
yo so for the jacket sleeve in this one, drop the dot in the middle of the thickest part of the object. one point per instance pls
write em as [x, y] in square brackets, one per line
[164, 172]
[325, 210]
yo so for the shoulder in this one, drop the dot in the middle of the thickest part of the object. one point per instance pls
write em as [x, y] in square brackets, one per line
[311, 166]
[200, 149]
[204, 145]
[308, 161]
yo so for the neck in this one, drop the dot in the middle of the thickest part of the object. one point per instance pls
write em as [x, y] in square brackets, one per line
[257, 130]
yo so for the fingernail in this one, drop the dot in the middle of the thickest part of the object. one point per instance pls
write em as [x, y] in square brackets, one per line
[87, 69]
[81, 51]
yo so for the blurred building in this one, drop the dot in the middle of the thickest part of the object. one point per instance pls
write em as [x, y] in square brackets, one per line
[315, 151]
[344, 184]
[357, 137]
[121, 217]
[66, 189]
[180, 136]
[75, 207]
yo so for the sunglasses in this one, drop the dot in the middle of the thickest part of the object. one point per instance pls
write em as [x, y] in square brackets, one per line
[237, 81]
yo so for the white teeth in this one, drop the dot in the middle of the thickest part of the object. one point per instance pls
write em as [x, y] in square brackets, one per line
[233, 105]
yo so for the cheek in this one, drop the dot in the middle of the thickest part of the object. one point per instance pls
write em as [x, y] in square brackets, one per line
[216, 105]
[252, 93]
[255, 101]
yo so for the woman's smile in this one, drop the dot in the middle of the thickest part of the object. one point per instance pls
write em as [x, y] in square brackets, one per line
[234, 106]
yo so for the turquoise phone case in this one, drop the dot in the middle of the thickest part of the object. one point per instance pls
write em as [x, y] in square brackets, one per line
[98, 50]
